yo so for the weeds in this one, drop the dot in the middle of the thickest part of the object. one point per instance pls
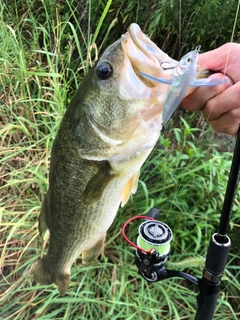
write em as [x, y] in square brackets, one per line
[45, 51]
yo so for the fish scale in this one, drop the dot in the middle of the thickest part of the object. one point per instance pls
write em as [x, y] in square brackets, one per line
[68, 240]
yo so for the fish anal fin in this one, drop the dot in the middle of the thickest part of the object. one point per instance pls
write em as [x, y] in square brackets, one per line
[42, 221]
[97, 184]
[131, 187]
[94, 252]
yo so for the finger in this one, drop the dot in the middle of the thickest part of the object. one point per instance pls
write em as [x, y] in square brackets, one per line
[208, 61]
[225, 102]
[227, 123]
[197, 99]
[223, 59]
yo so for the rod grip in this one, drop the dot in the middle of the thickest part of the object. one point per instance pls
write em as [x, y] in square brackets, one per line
[207, 300]
[217, 254]
[216, 260]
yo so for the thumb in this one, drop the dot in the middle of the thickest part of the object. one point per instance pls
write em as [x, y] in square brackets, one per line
[214, 60]
[224, 59]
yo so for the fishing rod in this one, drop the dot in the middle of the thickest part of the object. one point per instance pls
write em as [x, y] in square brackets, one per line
[153, 247]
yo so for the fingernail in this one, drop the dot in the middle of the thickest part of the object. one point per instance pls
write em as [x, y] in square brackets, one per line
[228, 80]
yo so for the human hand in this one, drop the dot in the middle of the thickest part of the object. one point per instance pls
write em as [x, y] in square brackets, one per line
[220, 104]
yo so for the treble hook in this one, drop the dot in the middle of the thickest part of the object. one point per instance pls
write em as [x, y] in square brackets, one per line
[164, 68]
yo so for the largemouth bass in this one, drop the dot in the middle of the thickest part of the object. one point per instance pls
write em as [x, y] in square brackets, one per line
[108, 131]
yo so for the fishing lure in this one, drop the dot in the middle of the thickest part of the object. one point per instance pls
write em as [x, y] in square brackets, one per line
[182, 78]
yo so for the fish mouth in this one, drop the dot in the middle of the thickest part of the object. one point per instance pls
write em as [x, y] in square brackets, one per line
[145, 55]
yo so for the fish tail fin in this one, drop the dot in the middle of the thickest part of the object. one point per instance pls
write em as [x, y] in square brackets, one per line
[62, 281]
[43, 275]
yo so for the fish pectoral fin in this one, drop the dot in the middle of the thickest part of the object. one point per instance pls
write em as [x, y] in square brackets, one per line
[42, 221]
[97, 184]
[131, 187]
[94, 252]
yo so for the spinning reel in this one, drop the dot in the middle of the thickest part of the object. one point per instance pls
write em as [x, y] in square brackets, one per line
[153, 247]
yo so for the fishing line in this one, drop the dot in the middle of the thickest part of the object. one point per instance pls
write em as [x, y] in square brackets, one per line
[126, 237]
[228, 54]
[205, 124]
[232, 36]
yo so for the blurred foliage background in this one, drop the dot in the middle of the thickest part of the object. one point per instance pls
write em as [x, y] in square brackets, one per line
[46, 48]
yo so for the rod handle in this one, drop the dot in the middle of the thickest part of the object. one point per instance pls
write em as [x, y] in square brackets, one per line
[217, 254]
[207, 300]
[209, 285]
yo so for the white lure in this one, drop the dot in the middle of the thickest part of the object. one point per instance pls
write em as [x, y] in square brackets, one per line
[182, 78]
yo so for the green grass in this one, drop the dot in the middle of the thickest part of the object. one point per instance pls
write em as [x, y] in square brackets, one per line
[44, 54]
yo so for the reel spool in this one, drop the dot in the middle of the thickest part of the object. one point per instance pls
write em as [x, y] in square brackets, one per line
[155, 234]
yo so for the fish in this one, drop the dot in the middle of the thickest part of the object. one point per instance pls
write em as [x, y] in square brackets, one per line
[108, 130]
[183, 76]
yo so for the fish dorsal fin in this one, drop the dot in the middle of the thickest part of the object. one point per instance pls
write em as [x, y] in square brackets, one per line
[97, 184]
[130, 187]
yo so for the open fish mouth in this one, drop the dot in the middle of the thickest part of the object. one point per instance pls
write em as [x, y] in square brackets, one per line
[145, 55]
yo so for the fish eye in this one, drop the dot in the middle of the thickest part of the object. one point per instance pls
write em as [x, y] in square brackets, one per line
[104, 71]
[189, 60]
